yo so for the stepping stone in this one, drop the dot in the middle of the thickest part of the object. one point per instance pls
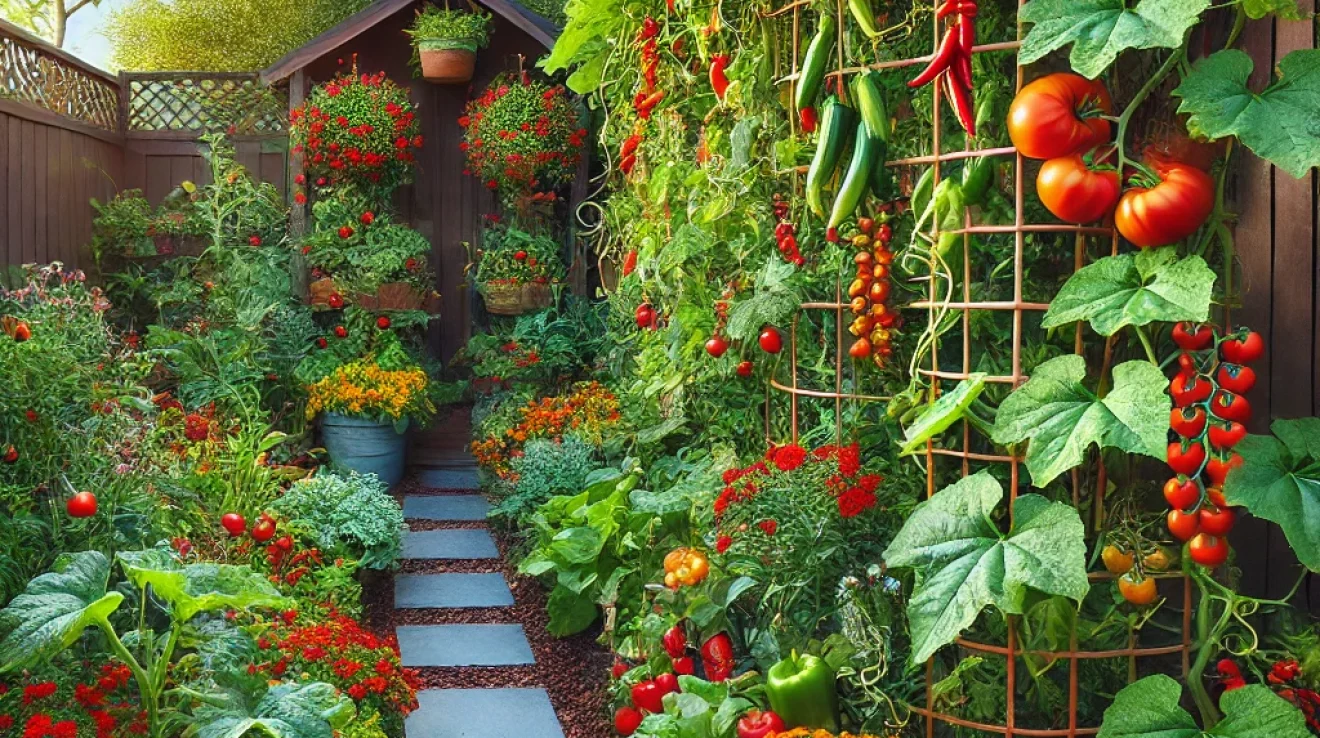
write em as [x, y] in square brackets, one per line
[423, 591]
[449, 543]
[448, 478]
[483, 713]
[446, 507]
[464, 645]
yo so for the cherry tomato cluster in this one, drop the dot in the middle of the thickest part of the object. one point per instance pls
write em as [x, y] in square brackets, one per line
[718, 344]
[1209, 417]
[786, 233]
[869, 293]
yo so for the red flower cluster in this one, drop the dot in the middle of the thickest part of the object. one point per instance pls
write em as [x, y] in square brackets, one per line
[521, 134]
[100, 707]
[357, 127]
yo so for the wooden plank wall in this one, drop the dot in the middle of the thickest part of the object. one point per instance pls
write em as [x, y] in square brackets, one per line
[50, 168]
[156, 164]
[1276, 241]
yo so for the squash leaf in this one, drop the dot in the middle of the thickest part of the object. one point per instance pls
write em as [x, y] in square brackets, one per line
[773, 303]
[944, 412]
[199, 587]
[1063, 419]
[312, 710]
[1278, 123]
[55, 608]
[1134, 289]
[1100, 30]
[1285, 9]
[964, 563]
[1279, 481]
[1148, 708]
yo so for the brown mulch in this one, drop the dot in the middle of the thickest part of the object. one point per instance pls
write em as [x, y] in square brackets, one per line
[574, 671]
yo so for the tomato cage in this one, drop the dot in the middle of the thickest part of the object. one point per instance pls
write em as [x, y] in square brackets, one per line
[960, 450]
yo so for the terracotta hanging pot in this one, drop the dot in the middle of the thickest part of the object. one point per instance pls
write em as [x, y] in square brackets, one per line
[446, 61]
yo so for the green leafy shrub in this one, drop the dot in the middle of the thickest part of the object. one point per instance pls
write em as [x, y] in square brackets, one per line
[442, 28]
[346, 513]
[546, 468]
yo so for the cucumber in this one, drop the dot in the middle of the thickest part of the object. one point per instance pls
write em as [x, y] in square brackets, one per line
[835, 124]
[813, 64]
[858, 178]
[865, 17]
[882, 177]
[871, 104]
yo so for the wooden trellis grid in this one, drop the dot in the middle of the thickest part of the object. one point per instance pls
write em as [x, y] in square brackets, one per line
[968, 304]
[30, 74]
[196, 102]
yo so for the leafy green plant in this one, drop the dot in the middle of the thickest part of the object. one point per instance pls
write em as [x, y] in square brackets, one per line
[346, 514]
[1149, 707]
[443, 28]
[546, 468]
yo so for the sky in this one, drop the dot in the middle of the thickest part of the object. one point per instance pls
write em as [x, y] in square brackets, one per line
[84, 38]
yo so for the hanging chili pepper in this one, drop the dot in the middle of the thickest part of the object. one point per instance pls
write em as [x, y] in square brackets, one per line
[719, 82]
[944, 58]
[960, 98]
[650, 29]
[630, 145]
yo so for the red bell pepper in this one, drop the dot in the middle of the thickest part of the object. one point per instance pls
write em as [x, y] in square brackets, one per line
[760, 724]
[717, 657]
[675, 642]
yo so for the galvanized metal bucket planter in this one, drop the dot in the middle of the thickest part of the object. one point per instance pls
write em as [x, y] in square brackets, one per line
[365, 446]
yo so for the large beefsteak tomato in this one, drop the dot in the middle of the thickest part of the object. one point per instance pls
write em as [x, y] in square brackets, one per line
[1077, 190]
[1169, 211]
[1059, 114]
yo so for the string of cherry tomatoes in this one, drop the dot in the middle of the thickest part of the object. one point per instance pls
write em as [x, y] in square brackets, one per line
[875, 321]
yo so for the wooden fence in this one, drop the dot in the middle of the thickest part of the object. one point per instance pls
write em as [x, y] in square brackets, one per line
[70, 132]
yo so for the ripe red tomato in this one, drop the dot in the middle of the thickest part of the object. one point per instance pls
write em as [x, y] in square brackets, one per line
[1187, 422]
[1216, 469]
[383, 322]
[11, 455]
[234, 524]
[1076, 190]
[263, 531]
[771, 343]
[1216, 496]
[81, 505]
[1186, 458]
[1226, 436]
[1229, 406]
[285, 543]
[1244, 350]
[1182, 495]
[667, 683]
[1217, 521]
[1207, 550]
[1183, 525]
[1058, 115]
[716, 346]
[1189, 390]
[1169, 211]
[1236, 378]
[745, 369]
[1192, 337]
[626, 721]
[644, 315]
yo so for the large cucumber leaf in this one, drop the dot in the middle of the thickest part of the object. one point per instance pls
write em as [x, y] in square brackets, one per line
[965, 564]
[1148, 708]
[55, 609]
[199, 587]
[1100, 30]
[1279, 481]
[286, 710]
[944, 412]
[1134, 289]
[1063, 419]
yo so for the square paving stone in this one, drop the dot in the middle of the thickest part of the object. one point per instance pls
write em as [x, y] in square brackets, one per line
[483, 713]
[448, 478]
[446, 507]
[449, 543]
[424, 591]
[464, 645]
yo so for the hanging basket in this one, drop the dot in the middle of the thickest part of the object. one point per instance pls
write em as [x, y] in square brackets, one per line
[447, 61]
[503, 298]
[320, 291]
[536, 296]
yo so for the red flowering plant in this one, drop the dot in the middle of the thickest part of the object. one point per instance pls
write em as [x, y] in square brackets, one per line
[522, 135]
[71, 699]
[797, 521]
[357, 129]
[337, 650]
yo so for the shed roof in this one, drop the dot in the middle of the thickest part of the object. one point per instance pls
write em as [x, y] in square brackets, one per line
[530, 22]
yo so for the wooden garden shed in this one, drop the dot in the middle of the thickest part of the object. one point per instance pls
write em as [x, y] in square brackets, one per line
[443, 204]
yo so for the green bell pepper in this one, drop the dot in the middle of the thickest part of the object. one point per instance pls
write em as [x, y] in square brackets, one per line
[802, 691]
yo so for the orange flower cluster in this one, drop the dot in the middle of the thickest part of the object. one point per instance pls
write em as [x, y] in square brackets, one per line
[586, 412]
[364, 388]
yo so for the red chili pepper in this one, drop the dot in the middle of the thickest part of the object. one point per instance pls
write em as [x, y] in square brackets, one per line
[966, 42]
[650, 29]
[961, 100]
[946, 56]
[627, 163]
[652, 100]
[630, 145]
[808, 118]
[719, 82]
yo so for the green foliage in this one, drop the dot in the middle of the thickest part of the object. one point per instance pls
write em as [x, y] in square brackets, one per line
[194, 588]
[944, 412]
[1063, 419]
[346, 514]
[1279, 481]
[1100, 30]
[775, 299]
[546, 468]
[511, 254]
[285, 710]
[1149, 707]
[56, 608]
[966, 564]
[1286, 9]
[1134, 289]
[1277, 123]
[226, 36]
[442, 28]
[700, 709]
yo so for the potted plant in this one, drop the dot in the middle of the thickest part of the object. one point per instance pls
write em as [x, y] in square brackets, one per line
[365, 407]
[447, 41]
[517, 268]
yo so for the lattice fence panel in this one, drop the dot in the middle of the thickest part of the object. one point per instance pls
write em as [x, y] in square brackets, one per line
[29, 74]
[238, 104]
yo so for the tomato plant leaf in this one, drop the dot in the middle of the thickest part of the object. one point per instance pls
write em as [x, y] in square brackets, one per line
[1063, 419]
[965, 564]
[55, 608]
[773, 303]
[1278, 123]
[1279, 480]
[1148, 708]
[944, 412]
[1100, 30]
[1134, 289]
